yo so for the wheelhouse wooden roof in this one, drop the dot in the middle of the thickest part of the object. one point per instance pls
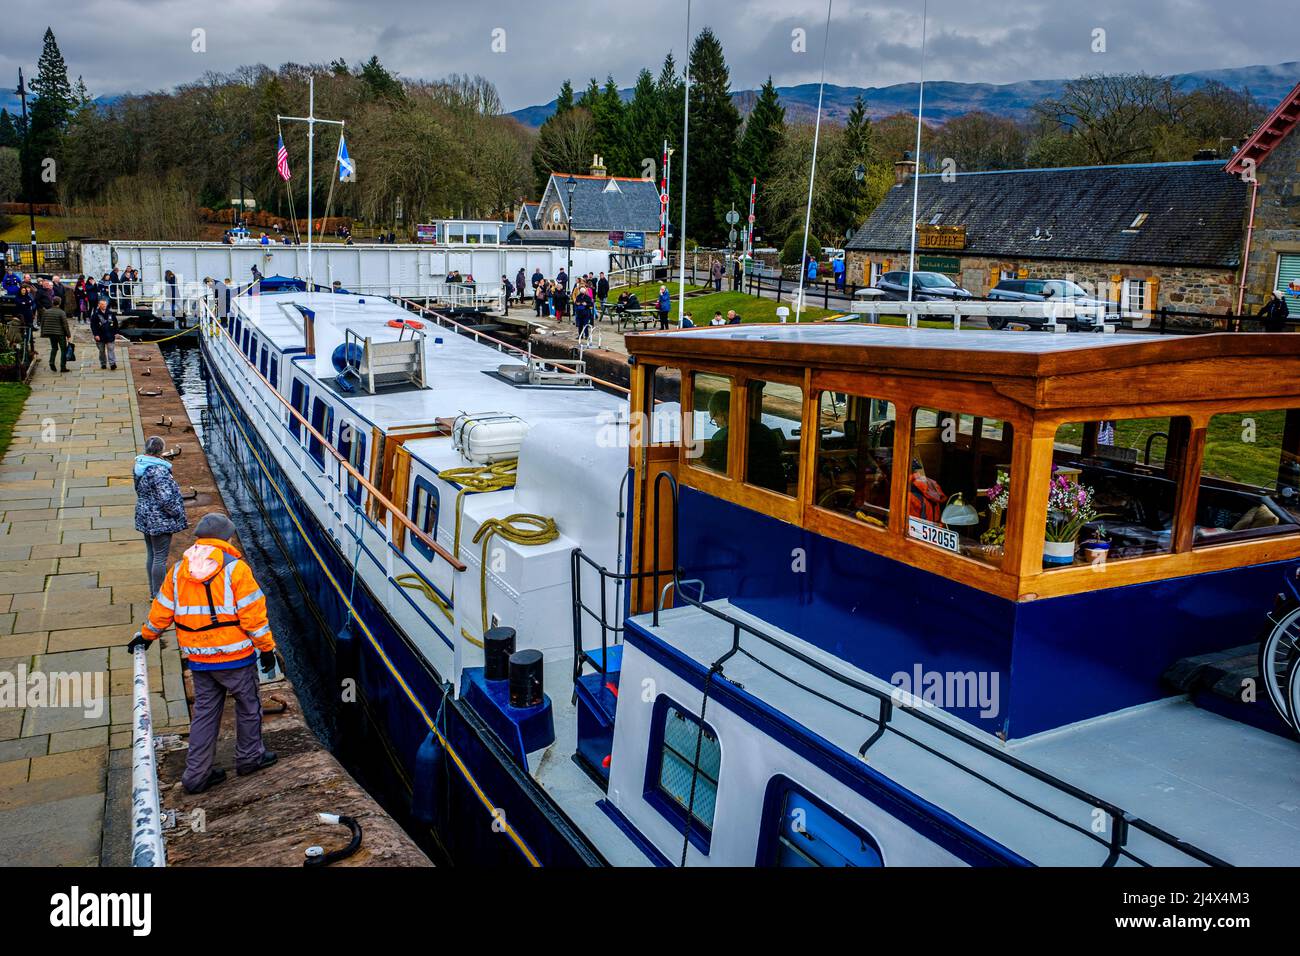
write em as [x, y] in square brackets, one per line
[1037, 370]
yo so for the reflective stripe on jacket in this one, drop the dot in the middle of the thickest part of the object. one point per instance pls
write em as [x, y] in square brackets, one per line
[219, 612]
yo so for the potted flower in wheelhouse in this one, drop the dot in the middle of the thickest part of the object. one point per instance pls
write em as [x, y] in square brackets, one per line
[1097, 548]
[1069, 508]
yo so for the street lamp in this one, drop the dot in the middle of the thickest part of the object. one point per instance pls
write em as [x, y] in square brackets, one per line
[27, 133]
[570, 184]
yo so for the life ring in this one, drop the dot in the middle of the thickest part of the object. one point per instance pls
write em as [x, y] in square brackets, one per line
[405, 324]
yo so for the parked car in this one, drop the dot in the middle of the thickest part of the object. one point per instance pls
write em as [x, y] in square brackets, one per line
[929, 287]
[1046, 290]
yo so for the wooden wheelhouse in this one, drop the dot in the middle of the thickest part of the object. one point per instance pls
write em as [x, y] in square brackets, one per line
[1189, 447]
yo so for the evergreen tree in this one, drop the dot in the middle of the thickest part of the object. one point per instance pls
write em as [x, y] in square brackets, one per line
[81, 94]
[608, 112]
[9, 134]
[339, 67]
[380, 84]
[590, 95]
[564, 102]
[643, 127]
[713, 184]
[55, 101]
[761, 141]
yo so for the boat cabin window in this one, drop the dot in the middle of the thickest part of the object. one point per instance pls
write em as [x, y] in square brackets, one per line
[676, 735]
[1250, 477]
[855, 454]
[322, 420]
[772, 446]
[804, 831]
[352, 445]
[711, 403]
[1114, 490]
[960, 472]
[298, 399]
[261, 361]
[424, 515]
[274, 378]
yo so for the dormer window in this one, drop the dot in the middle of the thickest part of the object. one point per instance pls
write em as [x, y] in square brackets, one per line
[612, 187]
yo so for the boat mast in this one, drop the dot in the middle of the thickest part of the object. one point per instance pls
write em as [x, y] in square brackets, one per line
[311, 119]
[916, 171]
[812, 173]
[686, 139]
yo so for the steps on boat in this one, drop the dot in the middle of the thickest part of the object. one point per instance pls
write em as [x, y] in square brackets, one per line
[1228, 683]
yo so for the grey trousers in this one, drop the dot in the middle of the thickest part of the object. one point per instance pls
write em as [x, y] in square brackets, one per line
[210, 688]
[107, 353]
[156, 547]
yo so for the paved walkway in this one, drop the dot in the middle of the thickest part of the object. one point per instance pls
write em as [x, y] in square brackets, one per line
[72, 591]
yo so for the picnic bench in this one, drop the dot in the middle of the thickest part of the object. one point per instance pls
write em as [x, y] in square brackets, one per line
[639, 320]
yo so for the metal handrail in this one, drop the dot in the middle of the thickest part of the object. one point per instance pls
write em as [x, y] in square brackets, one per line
[147, 847]
[338, 456]
[1121, 821]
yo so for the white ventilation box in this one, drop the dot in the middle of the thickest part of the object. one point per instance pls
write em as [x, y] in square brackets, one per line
[487, 437]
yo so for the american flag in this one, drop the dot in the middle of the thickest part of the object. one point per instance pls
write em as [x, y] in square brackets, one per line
[282, 161]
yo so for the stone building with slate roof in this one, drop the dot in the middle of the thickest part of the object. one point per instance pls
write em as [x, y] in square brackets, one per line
[1269, 161]
[1145, 235]
[602, 205]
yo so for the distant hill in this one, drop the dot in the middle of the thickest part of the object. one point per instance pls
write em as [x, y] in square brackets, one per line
[944, 100]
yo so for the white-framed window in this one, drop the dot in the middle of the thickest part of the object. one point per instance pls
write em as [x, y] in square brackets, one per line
[1006, 274]
[1134, 298]
[1288, 280]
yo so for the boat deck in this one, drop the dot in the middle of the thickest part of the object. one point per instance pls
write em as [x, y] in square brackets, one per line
[1224, 787]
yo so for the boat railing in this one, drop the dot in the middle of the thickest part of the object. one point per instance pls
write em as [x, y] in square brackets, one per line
[215, 328]
[1120, 822]
[501, 345]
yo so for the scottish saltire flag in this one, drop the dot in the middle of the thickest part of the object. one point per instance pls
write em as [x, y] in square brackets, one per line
[282, 161]
[347, 170]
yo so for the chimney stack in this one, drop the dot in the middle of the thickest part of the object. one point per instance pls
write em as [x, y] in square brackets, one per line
[598, 165]
[903, 169]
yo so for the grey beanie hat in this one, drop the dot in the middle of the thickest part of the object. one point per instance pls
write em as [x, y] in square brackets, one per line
[215, 525]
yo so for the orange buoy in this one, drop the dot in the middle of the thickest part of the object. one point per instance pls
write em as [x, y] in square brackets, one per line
[405, 324]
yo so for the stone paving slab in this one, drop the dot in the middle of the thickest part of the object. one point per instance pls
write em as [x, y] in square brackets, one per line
[72, 591]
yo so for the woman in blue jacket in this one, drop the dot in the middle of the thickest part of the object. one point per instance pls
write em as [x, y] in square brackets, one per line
[159, 509]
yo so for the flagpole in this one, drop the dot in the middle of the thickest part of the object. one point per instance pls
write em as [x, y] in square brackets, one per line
[916, 171]
[311, 140]
[311, 120]
[686, 147]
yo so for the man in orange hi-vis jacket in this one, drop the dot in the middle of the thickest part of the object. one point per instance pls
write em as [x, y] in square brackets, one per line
[219, 613]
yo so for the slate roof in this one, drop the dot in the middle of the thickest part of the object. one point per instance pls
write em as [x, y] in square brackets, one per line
[628, 205]
[527, 215]
[1195, 214]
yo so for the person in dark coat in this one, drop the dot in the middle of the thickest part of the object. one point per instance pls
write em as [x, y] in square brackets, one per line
[520, 280]
[115, 288]
[582, 308]
[159, 509]
[54, 326]
[737, 275]
[507, 291]
[1275, 313]
[602, 290]
[105, 327]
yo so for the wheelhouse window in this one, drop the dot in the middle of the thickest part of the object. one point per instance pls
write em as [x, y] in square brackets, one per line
[424, 514]
[809, 833]
[679, 735]
[855, 454]
[773, 436]
[707, 446]
[1250, 477]
[1114, 490]
[958, 491]
[322, 420]
[352, 445]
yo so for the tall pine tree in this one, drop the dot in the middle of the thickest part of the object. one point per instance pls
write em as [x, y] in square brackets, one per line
[643, 128]
[761, 141]
[712, 183]
[55, 101]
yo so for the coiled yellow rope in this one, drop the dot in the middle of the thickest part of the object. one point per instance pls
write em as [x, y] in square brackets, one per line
[521, 528]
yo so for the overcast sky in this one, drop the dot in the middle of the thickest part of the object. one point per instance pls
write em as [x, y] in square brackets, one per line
[139, 45]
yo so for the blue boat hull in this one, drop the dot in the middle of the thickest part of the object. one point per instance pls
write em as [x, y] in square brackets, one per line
[454, 803]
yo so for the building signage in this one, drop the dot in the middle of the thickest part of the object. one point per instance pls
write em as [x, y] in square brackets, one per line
[949, 265]
[941, 237]
[615, 237]
[633, 240]
[426, 232]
